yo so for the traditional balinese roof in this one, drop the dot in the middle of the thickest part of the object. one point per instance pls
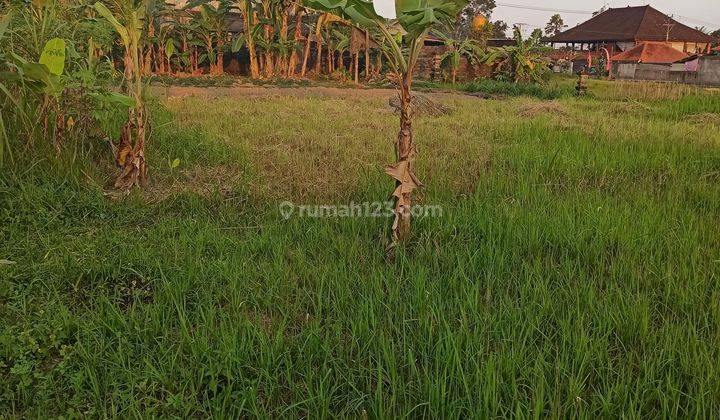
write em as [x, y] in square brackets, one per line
[640, 23]
[650, 52]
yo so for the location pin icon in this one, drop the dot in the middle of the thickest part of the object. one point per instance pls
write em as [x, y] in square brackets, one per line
[286, 209]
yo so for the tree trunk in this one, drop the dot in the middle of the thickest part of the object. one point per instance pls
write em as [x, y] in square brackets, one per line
[330, 52]
[130, 156]
[378, 64]
[269, 32]
[160, 60]
[147, 64]
[367, 55]
[292, 64]
[184, 50]
[282, 60]
[254, 68]
[403, 169]
[318, 58]
[306, 53]
[209, 47]
[357, 71]
[219, 67]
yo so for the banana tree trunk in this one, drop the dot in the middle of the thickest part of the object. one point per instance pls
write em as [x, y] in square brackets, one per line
[403, 169]
[293, 62]
[269, 32]
[318, 58]
[357, 71]
[209, 48]
[367, 55]
[254, 67]
[219, 66]
[282, 59]
[306, 54]
[160, 60]
[330, 52]
[130, 156]
[147, 63]
[378, 63]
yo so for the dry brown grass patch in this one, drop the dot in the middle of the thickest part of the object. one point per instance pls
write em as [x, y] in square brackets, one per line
[201, 180]
[535, 109]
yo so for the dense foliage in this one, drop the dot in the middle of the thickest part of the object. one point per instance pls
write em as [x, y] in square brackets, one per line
[56, 80]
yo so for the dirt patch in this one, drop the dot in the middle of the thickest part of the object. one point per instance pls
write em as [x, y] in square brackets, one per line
[535, 109]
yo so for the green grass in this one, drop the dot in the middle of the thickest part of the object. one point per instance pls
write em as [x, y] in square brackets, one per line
[574, 272]
[554, 89]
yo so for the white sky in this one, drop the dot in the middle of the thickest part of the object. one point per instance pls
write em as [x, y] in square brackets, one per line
[690, 12]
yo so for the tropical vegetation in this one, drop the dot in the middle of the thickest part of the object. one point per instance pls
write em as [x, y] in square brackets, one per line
[159, 255]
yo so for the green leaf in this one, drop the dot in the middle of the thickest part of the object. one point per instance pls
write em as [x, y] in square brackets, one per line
[175, 163]
[53, 56]
[120, 29]
[114, 98]
[40, 73]
[169, 48]
[237, 43]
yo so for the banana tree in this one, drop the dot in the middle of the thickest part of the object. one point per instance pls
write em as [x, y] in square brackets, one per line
[416, 17]
[127, 17]
[457, 49]
[342, 42]
[521, 62]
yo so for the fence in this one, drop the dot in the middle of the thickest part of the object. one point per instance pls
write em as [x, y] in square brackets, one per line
[707, 73]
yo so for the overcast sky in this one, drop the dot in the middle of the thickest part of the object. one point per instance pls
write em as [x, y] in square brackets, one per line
[690, 12]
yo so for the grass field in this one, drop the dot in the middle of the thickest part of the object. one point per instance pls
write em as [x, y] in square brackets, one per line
[574, 271]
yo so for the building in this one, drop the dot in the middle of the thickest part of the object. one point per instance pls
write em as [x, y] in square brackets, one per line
[621, 29]
[650, 53]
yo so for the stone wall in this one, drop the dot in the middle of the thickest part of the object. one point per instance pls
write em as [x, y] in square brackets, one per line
[708, 72]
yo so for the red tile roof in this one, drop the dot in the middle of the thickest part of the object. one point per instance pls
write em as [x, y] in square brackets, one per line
[650, 52]
[641, 23]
